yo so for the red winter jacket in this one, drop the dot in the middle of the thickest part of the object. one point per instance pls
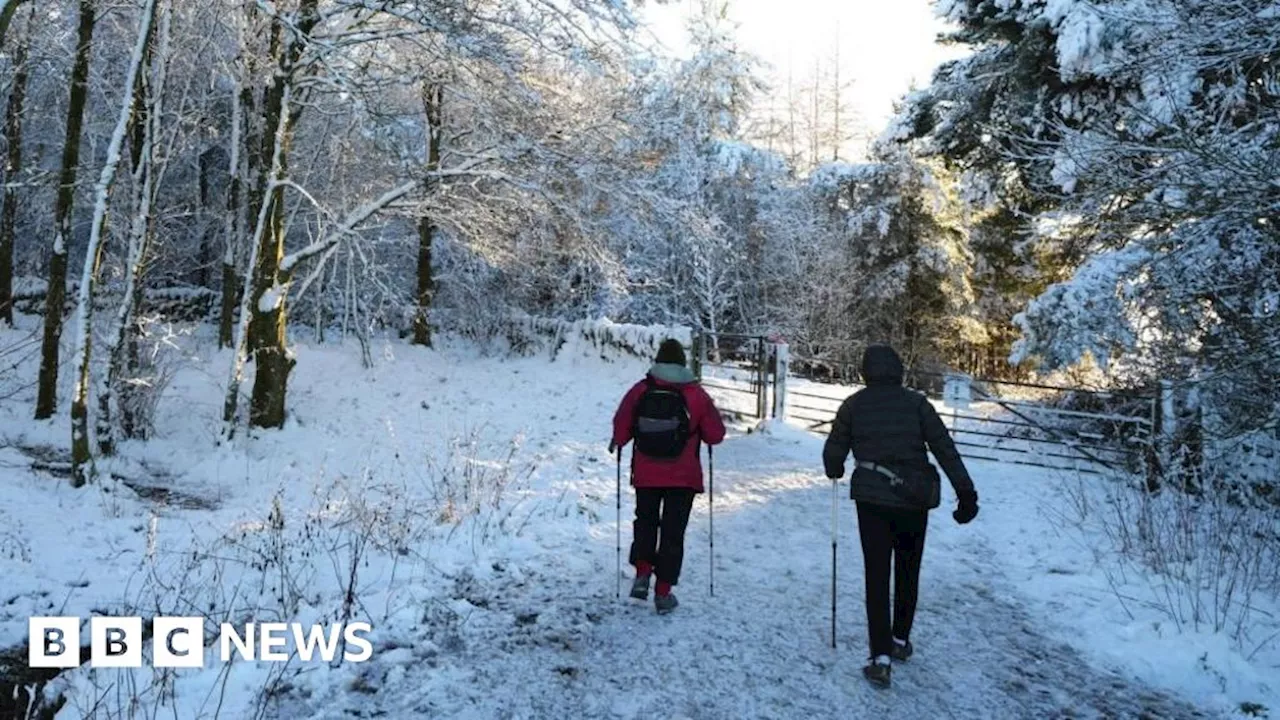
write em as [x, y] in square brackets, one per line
[704, 423]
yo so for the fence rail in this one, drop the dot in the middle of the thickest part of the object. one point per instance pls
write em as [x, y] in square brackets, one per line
[728, 388]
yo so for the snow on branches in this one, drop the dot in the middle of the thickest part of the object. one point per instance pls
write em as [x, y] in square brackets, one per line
[601, 337]
[1155, 129]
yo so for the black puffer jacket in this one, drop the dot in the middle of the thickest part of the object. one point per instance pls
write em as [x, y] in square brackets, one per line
[889, 425]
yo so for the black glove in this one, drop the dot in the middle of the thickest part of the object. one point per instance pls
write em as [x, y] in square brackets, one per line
[967, 511]
[612, 447]
[839, 473]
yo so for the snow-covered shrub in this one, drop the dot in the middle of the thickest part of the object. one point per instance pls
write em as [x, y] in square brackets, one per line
[1249, 464]
[1210, 559]
[466, 484]
[601, 338]
[14, 547]
[355, 550]
[185, 304]
[28, 293]
[152, 362]
[469, 301]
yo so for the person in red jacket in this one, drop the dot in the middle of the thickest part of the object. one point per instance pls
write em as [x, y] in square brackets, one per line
[669, 416]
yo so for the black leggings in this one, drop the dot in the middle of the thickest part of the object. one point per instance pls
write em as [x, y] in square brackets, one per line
[665, 512]
[891, 538]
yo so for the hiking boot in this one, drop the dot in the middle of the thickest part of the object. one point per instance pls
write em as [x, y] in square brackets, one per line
[665, 603]
[640, 587]
[878, 673]
[901, 651]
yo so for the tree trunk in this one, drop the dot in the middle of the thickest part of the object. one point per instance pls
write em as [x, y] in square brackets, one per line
[55, 297]
[241, 344]
[432, 100]
[205, 260]
[426, 283]
[267, 336]
[81, 455]
[230, 288]
[124, 337]
[7, 10]
[257, 139]
[257, 170]
[241, 101]
[12, 166]
[267, 332]
[262, 324]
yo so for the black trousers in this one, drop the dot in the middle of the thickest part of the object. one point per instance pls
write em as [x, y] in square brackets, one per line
[891, 538]
[662, 514]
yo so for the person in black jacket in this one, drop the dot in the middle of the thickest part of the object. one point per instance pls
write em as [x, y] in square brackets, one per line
[888, 428]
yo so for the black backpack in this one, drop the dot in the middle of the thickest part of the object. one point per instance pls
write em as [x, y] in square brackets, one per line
[661, 425]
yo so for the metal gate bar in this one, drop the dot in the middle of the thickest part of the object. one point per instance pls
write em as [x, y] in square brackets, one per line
[1104, 448]
[728, 388]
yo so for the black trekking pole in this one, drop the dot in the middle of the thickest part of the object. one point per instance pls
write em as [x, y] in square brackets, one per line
[711, 499]
[618, 574]
[835, 527]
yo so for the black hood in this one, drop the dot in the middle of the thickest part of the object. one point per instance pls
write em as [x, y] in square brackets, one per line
[881, 366]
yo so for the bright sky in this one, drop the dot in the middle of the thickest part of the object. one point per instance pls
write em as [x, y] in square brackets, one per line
[884, 45]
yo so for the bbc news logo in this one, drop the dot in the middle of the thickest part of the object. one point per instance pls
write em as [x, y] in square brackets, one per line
[179, 642]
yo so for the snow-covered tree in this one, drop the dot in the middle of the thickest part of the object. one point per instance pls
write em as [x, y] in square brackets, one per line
[50, 352]
[81, 457]
[14, 110]
[1128, 148]
[905, 267]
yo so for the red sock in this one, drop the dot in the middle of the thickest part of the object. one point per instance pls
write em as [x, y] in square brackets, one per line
[644, 568]
[664, 587]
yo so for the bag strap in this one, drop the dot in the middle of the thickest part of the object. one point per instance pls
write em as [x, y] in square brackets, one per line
[893, 477]
[635, 411]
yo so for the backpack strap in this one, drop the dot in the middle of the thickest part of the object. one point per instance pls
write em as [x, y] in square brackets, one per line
[649, 384]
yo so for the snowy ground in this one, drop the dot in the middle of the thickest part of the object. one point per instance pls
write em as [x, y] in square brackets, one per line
[484, 493]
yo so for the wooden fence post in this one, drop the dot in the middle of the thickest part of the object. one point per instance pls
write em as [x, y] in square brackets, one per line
[781, 366]
[1164, 430]
[762, 379]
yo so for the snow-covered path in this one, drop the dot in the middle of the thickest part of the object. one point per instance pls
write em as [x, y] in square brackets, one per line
[557, 644]
[511, 612]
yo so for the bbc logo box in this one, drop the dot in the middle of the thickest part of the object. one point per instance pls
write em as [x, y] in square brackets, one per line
[115, 642]
[179, 642]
